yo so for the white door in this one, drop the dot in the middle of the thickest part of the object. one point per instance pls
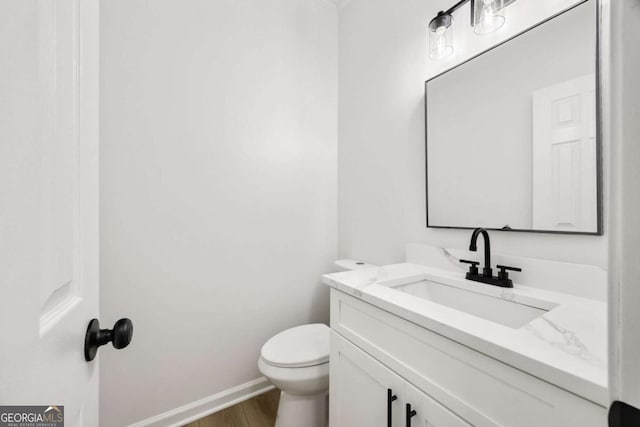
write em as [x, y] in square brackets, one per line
[48, 204]
[422, 411]
[363, 392]
[564, 157]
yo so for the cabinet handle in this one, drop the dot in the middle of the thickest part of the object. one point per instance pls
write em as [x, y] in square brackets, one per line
[410, 414]
[390, 398]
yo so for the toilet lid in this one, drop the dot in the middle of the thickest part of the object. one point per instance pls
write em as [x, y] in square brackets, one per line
[302, 346]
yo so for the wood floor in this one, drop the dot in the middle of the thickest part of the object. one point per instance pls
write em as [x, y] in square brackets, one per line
[257, 412]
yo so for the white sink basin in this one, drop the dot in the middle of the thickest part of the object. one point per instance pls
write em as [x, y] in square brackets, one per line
[508, 313]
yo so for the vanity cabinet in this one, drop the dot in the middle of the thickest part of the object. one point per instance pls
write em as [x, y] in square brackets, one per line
[366, 393]
[446, 383]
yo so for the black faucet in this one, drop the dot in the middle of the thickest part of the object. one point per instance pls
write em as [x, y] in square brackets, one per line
[502, 279]
[486, 270]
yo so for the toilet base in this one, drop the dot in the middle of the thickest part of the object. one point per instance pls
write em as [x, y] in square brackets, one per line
[303, 411]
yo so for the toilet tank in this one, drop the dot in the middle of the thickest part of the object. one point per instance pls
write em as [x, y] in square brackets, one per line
[353, 264]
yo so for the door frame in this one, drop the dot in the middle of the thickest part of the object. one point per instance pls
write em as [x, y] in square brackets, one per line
[622, 33]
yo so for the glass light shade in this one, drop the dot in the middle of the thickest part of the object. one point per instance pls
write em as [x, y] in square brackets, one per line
[441, 36]
[489, 16]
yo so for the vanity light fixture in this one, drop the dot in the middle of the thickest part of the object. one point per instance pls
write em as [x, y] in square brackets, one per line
[487, 16]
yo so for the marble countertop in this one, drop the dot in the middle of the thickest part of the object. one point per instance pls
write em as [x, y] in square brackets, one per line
[566, 346]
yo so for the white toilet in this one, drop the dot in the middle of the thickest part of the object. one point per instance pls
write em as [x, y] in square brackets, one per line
[297, 362]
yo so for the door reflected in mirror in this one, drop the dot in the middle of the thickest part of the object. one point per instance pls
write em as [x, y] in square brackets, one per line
[513, 134]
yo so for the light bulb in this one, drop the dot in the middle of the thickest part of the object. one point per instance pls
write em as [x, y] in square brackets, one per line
[441, 44]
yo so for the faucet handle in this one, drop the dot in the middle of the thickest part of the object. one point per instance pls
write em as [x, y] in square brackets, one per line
[473, 268]
[502, 274]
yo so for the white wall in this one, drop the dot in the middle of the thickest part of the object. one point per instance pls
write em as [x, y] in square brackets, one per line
[383, 65]
[218, 181]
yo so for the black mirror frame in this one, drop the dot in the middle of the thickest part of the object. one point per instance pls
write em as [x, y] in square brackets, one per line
[599, 131]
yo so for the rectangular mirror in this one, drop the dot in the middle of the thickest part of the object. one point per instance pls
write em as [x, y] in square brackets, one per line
[512, 135]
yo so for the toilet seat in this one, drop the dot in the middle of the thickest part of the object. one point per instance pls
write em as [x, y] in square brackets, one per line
[299, 347]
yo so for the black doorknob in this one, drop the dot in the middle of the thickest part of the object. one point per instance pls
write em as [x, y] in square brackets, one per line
[120, 336]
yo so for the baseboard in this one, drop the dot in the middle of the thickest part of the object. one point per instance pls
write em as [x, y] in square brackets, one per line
[207, 406]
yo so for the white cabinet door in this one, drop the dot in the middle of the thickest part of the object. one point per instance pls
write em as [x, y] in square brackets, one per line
[428, 412]
[360, 387]
[49, 207]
